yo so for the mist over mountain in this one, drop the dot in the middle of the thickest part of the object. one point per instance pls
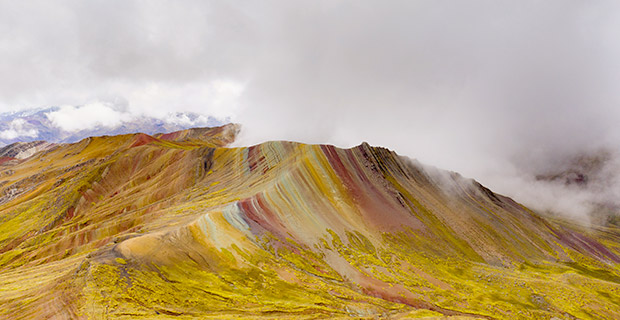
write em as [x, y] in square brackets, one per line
[493, 90]
[202, 159]
[584, 186]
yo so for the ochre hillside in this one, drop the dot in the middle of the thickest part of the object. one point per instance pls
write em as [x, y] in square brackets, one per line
[178, 226]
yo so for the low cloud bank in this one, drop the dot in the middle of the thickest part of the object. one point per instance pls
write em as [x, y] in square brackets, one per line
[18, 128]
[76, 118]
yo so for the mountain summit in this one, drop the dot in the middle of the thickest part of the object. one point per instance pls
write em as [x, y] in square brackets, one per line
[181, 226]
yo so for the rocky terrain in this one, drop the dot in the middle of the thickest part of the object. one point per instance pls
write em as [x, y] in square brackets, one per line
[180, 226]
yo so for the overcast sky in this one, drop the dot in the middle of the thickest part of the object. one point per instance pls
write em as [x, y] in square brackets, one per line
[486, 88]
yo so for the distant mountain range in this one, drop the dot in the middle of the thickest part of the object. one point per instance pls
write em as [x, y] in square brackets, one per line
[36, 124]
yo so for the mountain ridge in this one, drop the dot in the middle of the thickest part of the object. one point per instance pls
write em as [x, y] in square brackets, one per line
[180, 225]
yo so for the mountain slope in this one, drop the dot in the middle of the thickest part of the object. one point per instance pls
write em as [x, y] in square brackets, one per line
[178, 225]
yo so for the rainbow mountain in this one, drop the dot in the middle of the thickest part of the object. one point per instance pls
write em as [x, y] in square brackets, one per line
[180, 226]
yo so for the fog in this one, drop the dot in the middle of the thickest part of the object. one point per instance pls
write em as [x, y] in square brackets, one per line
[500, 91]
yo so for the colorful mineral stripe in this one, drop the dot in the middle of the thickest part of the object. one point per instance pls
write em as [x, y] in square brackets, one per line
[180, 226]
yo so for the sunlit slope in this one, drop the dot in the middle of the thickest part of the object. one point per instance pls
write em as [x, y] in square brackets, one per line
[177, 226]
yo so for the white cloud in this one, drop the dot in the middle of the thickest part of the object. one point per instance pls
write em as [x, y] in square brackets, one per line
[18, 128]
[218, 98]
[182, 119]
[89, 116]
